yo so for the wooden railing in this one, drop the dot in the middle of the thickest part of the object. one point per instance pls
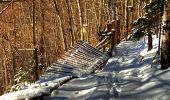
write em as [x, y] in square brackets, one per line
[110, 36]
[81, 59]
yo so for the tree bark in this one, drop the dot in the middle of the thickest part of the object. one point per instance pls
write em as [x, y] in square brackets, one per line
[149, 40]
[34, 42]
[71, 22]
[42, 35]
[61, 26]
[14, 48]
[127, 18]
[165, 55]
[81, 20]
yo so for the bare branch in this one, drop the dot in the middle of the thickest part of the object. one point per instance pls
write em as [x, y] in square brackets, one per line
[9, 4]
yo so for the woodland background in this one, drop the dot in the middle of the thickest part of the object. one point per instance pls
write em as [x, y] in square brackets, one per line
[35, 33]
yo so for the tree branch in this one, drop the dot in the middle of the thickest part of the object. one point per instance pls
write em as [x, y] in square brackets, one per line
[9, 4]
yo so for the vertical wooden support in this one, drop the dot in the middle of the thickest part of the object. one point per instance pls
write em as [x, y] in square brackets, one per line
[118, 31]
[113, 39]
[109, 27]
[114, 26]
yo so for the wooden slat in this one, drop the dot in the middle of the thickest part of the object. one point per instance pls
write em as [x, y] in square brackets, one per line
[81, 58]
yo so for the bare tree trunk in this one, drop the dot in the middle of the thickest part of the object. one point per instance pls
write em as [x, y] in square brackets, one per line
[160, 36]
[71, 22]
[149, 39]
[114, 9]
[61, 25]
[165, 55]
[133, 9]
[139, 8]
[34, 42]
[127, 18]
[5, 68]
[42, 42]
[81, 20]
[14, 47]
[14, 59]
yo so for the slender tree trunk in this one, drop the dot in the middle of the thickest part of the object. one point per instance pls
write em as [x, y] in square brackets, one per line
[61, 26]
[149, 39]
[127, 18]
[114, 9]
[14, 59]
[81, 20]
[5, 68]
[100, 16]
[157, 28]
[42, 36]
[34, 43]
[71, 22]
[133, 10]
[14, 47]
[139, 3]
[95, 21]
[159, 36]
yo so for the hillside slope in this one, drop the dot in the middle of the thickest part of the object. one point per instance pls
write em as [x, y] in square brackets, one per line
[128, 75]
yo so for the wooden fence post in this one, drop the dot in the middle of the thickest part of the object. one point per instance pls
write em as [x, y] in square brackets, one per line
[114, 26]
[118, 31]
[113, 39]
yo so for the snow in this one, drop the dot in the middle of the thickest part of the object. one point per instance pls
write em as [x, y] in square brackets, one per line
[35, 90]
[24, 94]
[125, 77]
[145, 51]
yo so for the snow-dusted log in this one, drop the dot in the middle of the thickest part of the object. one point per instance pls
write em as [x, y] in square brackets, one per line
[36, 90]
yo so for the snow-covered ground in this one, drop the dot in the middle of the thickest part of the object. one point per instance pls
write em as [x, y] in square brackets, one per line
[125, 77]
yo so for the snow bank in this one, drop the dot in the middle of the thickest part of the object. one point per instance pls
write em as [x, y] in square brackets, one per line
[145, 51]
[36, 90]
[124, 77]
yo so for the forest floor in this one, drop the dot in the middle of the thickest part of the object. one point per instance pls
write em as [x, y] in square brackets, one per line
[128, 75]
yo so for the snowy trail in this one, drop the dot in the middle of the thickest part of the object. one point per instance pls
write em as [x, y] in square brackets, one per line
[108, 83]
[123, 78]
